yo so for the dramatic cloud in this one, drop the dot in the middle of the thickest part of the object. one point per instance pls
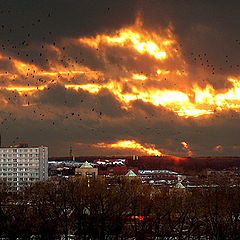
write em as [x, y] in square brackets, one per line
[114, 77]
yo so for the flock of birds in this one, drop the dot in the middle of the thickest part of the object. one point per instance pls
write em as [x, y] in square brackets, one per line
[22, 49]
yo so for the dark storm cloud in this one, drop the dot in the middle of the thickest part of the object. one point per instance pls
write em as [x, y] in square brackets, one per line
[207, 31]
[24, 22]
[46, 33]
[202, 27]
[6, 66]
[143, 123]
[101, 104]
[80, 54]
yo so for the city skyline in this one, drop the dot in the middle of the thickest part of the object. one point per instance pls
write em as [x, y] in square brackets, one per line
[121, 78]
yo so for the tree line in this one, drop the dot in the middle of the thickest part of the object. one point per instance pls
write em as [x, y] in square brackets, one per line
[128, 209]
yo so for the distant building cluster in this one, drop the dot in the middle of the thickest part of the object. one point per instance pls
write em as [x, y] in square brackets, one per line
[113, 170]
[108, 167]
[22, 165]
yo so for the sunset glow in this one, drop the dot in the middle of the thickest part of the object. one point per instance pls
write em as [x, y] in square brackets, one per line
[194, 102]
[205, 101]
[185, 147]
[150, 75]
[131, 144]
[132, 39]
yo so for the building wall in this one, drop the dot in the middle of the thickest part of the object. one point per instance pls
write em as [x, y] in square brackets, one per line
[43, 161]
[22, 166]
[83, 171]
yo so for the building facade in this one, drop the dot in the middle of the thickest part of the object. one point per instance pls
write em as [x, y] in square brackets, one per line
[21, 165]
[86, 170]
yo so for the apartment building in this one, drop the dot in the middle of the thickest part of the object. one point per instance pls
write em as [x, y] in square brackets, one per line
[21, 165]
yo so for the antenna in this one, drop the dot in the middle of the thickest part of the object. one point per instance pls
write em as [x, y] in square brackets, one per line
[70, 151]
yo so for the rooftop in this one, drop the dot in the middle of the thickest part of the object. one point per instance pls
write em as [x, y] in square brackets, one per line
[131, 173]
[86, 165]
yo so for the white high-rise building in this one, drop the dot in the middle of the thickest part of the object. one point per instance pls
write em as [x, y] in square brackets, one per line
[21, 165]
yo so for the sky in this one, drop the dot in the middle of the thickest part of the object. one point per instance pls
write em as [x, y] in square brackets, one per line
[121, 77]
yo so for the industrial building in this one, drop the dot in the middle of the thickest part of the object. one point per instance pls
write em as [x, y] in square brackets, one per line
[21, 165]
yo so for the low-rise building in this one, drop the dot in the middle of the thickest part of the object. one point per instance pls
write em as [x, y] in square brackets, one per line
[86, 170]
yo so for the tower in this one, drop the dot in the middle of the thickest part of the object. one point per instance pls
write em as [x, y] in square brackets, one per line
[70, 151]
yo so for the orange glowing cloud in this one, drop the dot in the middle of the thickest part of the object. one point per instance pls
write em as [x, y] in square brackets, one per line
[25, 89]
[136, 38]
[185, 147]
[131, 144]
[56, 70]
[128, 38]
[91, 88]
[218, 148]
[24, 68]
[139, 77]
[190, 101]
[206, 101]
